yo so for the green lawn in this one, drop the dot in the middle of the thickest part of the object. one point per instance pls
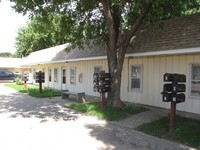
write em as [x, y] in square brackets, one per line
[187, 131]
[108, 113]
[34, 90]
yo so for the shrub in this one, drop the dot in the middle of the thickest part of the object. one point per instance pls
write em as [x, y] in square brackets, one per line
[19, 81]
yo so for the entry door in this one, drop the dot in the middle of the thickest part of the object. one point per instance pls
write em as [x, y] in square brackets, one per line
[63, 76]
[50, 77]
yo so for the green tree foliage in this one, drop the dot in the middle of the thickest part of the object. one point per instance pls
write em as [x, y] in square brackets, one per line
[6, 54]
[113, 22]
[40, 33]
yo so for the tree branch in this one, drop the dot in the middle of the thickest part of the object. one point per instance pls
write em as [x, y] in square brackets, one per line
[138, 22]
[108, 16]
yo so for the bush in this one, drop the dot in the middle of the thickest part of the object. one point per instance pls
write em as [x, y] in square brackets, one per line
[19, 81]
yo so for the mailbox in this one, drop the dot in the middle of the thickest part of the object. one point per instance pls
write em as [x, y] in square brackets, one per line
[178, 98]
[174, 87]
[102, 82]
[166, 97]
[25, 77]
[96, 82]
[40, 77]
[173, 77]
[171, 90]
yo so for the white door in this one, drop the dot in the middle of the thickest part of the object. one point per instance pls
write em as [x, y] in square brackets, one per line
[49, 78]
[63, 77]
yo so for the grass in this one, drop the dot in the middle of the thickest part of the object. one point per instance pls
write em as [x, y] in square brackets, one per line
[187, 130]
[34, 90]
[108, 113]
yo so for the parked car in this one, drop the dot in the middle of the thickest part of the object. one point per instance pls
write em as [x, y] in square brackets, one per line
[7, 75]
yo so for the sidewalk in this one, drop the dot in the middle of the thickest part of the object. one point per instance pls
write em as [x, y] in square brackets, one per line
[29, 123]
[152, 114]
[139, 140]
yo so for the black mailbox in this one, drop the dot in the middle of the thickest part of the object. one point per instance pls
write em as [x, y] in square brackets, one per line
[174, 87]
[96, 82]
[166, 97]
[170, 90]
[102, 82]
[25, 77]
[178, 98]
[174, 77]
[40, 77]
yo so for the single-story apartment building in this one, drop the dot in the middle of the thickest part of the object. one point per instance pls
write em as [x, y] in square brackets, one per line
[172, 46]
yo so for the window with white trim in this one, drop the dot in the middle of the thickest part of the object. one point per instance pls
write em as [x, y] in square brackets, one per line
[195, 81]
[55, 74]
[73, 75]
[136, 78]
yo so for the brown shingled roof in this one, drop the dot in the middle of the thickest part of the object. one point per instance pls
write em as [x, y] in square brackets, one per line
[174, 34]
[178, 33]
[87, 52]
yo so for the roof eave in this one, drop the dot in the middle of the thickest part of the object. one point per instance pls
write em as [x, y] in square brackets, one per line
[69, 60]
[165, 52]
[142, 54]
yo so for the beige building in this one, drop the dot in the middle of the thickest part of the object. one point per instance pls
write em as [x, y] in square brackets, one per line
[172, 46]
[13, 64]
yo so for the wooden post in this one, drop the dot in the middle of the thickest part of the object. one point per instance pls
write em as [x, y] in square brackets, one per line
[40, 86]
[24, 84]
[102, 100]
[172, 116]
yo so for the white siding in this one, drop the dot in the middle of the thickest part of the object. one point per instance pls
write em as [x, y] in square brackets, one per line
[153, 71]
[152, 82]
[86, 68]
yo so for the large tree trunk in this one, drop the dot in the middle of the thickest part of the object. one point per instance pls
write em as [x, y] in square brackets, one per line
[117, 44]
[114, 96]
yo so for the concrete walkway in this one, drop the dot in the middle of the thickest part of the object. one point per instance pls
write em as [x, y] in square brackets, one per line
[28, 123]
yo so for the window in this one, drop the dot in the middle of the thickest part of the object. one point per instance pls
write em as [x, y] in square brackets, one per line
[55, 74]
[49, 74]
[97, 69]
[136, 78]
[195, 80]
[73, 75]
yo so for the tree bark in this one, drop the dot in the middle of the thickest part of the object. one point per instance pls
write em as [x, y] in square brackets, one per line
[117, 45]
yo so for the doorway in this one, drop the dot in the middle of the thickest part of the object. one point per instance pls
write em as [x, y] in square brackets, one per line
[63, 76]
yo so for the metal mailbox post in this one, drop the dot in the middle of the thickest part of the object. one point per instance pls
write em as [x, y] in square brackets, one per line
[40, 78]
[172, 92]
[25, 79]
[102, 84]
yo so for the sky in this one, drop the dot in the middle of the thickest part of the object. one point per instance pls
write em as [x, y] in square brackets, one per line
[10, 22]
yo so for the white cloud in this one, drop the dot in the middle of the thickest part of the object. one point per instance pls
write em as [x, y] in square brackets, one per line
[11, 21]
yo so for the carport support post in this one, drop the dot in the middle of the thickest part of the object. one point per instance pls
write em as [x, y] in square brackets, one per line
[172, 116]
[102, 99]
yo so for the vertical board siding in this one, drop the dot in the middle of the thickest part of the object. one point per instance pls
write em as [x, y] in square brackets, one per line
[156, 77]
[189, 101]
[152, 83]
[153, 70]
[124, 81]
[162, 66]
